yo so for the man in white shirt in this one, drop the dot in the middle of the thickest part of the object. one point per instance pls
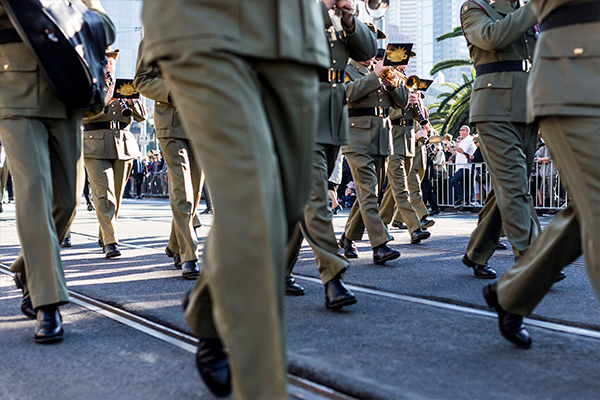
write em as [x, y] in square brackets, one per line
[463, 153]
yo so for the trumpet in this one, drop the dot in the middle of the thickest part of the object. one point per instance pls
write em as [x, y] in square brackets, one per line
[375, 8]
[411, 83]
[126, 112]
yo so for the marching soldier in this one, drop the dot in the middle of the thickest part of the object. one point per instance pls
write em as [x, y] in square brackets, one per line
[369, 101]
[183, 170]
[244, 78]
[43, 147]
[109, 148]
[568, 112]
[346, 39]
[501, 41]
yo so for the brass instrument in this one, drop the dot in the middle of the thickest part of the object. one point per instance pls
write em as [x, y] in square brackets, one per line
[375, 8]
[411, 83]
[126, 112]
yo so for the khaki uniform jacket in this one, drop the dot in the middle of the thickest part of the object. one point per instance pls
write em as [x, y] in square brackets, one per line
[150, 83]
[495, 32]
[404, 136]
[113, 144]
[24, 89]
[360, 44]
[369, 134]
[554, 58]
[266, 29]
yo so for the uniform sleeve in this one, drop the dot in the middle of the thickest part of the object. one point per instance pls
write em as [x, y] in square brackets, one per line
[361, 86]
[399, 96]
[362, 43]
[109, 28]
[140, 112]
[488, 34]
[148, 81]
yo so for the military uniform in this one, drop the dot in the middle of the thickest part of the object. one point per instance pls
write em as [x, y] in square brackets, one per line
[184, 173]
[568, 111]
[3, 174]
[501, 41]
[109, 148]
[359, 43]
[368, 148]
[416, 175]
[43, 146]
[243, 76]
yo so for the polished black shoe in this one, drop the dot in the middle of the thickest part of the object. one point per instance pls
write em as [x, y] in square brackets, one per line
[26, 306]
[501, 246]
[101, 244]
[292, 288]
[560, 277]
[480, 271]
[207, 211]
[337, 209]
[427, 223]
[350, 250]
[418, 235]
[48, 328]
[177, 262]
[66, 242]
[337, 295]
[434, 212]
[90, 207]
[511, 325]
[383, 253]
[169, 252]
[399, 225]
[213, 366]
[112, 250]
[189, 270]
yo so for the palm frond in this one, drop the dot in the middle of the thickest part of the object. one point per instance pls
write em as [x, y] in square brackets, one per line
[450, 63]
[456, 32]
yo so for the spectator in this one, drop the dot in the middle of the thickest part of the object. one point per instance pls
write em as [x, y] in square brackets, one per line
[350, 196]
[479, 170]
[463, 153]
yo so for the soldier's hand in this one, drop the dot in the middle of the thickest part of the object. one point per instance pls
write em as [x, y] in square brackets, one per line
[348, 7]
[413, 98]
[379, 68]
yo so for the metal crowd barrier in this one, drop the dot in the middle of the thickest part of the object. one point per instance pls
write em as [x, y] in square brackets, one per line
[544, 186]
[155, 185]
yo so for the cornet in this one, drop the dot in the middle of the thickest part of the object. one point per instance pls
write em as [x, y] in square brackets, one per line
[375, 8]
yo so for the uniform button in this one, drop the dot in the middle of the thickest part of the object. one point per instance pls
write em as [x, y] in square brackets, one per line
[578, 51]
[114, 112]
[5, 67]
[379, 91]
[158, 102]
[352, 124]
[381, 100]
[334, 61]
[489, 84]
[332, 45]
[334, 85]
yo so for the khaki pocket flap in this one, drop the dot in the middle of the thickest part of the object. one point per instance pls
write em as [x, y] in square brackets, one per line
[361, 122]
[493, 81]
[93, 135]
[17, 61]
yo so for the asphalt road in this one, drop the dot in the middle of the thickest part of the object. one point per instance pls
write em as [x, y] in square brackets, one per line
[391, 345]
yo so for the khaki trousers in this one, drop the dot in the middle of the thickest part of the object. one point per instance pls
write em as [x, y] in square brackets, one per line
[574, 147]
[316, 225]
[185, 181]
[368, 173]
[509, 149]
[397, 194]
[46, 163]
[107, 181]
[415, 177]
[252, 124]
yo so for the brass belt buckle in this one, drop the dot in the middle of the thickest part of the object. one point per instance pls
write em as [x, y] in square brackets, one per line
[113, 125]
[526, 65]
[331, 75]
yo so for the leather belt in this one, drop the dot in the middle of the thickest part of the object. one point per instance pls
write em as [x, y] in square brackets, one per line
[9, 36]
[503, 66]
[402, 122]
[98, 126]
[572, 14]
[369, 111]
[331, 75]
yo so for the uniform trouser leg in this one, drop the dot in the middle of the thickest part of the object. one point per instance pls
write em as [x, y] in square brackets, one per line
[368, 173]
[184, 193]
[107, 180]
[45, 159]
[576, 154]
[257, 166]
[316, 226]
[509, 149]
[415, 176]
[398, 195]
[3, 180]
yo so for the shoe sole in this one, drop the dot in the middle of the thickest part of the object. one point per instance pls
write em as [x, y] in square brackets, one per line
[339, 305]
[389, 257]
[50, 339]
[350, 255]
[429, 224]
[191, 275]
[423, 236]
[486, 277]
[112, 255]
[295, 293]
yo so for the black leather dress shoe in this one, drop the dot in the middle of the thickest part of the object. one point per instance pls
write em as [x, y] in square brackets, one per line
[66, 242]
[337, 295]
[560, 277]
[207, 211]
[501, 246]
[434, 212]
[427, 223]
[399, 225]
[112, 250]
[292, 288]
[176, 257]
[26, 306]
[511, 325]
[48, 328]
[213, 366]
[480, 271]
[418, 235]
[350, 250]
[90, 207]
[101, 244]
[169, 252]
[189, 270]
[383, 253]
